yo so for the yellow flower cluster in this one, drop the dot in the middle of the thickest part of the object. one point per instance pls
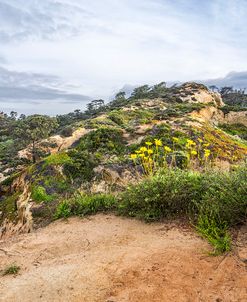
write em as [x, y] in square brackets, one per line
[207, 153]
[154, 154]
[151, 156]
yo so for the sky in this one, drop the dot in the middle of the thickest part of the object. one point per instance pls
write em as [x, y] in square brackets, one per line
[56, 55]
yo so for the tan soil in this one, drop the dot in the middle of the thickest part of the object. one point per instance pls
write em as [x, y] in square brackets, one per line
[108, 258]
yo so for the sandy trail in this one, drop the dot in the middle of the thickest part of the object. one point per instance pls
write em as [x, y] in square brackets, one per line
[113, 259]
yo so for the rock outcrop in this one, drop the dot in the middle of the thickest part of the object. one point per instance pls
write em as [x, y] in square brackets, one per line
[23, 222]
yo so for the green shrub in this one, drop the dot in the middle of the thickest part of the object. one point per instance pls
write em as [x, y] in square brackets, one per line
[223, 198]
[216, 235]
[63, 210]
[104, 139]
[117, 117]
[82, 205]
[213, 201]
[57, 159]
[81, 165]
[178, 110]
[67, 131]
[130, 118]
[39, 194]
[167, 194]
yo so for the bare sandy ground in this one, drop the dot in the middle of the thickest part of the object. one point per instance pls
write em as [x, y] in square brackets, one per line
[113, 259]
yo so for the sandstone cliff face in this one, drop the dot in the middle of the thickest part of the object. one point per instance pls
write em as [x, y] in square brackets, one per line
[196, 93]
[216, 116]
[209, 114]
[236, 118]
[23, 223]
[60, 143]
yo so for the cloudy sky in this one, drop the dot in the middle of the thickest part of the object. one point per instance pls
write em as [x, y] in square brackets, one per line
[57, 54]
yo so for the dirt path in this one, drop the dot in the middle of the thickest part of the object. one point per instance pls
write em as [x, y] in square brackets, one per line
[113, 259]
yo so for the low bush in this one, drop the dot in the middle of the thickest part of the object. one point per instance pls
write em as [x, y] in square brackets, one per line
[67, 131]
[39, 194]
[213, 201]
[167, 194]
[81, 165]
[104, 139]
[57, 159]
[83, 205]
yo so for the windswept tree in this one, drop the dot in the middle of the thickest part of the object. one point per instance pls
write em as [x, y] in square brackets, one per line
[34, 128]
[95, 105]
[213, 88]
[120, 96]
[159, 90]
[119, 100]
[141, 92]
[226, 90]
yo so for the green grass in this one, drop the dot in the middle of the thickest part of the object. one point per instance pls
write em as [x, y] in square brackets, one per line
[83, 205]
[218, 236]
[13, 269]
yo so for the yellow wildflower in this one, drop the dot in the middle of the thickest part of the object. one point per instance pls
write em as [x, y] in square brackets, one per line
[193, 152]
[175, 139]
[190, 142]
[200, 140]
[133, 156]
[143, 149]
[150, 151]
[148, 143]
[141, 155]
[167, 149]
[206, 145]
[207, 152]
[158, 142]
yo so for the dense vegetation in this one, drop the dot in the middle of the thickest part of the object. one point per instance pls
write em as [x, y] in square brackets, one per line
[171, 160]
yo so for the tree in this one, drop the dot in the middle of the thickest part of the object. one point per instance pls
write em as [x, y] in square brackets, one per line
[120, 96]
[13, 115]
[159, 90]
[213, 88]
[22, 117]
[33, 129]
[119, 100]
[140, 92]
[226, 90]
[95, 105]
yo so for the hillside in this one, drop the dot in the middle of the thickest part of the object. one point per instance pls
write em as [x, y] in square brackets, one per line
[174, 156]
[92, 153]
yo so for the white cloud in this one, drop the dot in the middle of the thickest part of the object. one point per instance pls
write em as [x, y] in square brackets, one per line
[101, 45]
